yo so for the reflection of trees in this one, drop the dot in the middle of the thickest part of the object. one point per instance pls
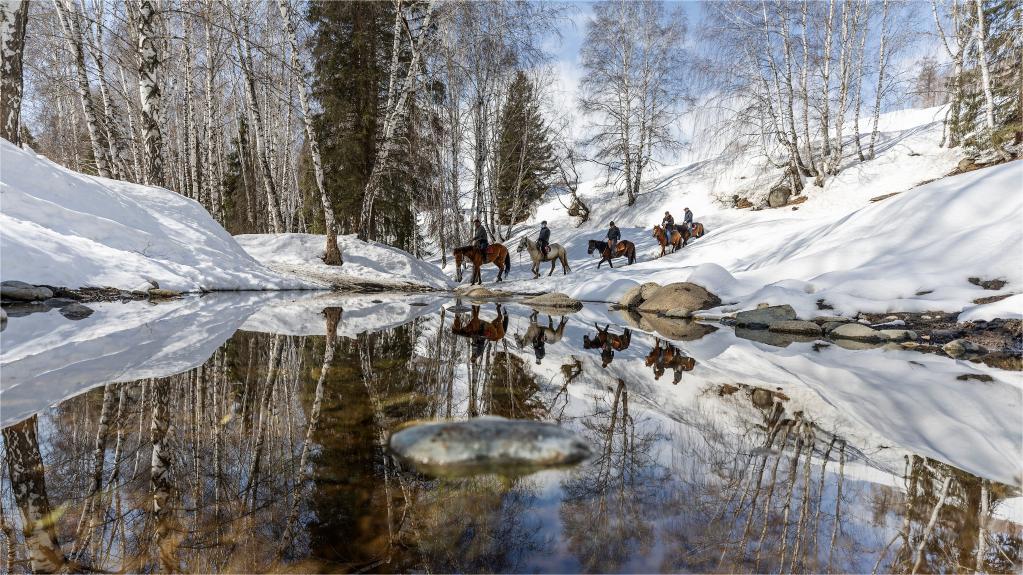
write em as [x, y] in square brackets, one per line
[608, 508]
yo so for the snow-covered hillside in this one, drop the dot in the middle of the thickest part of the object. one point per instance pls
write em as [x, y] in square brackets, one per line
[63, 228]
[911, 252]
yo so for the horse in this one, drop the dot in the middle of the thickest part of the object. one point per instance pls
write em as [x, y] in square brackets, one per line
[676, 241]
[607, 343]
[625, 248]
[697, 230]
[556, 252]
[496, 254]
[479, 331]
[669, 356]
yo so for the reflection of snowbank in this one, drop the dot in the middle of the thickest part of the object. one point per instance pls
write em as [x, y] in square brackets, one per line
[299, 313]
[63, 228]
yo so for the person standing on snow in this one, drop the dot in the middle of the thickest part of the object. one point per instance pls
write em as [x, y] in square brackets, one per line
[544, 240]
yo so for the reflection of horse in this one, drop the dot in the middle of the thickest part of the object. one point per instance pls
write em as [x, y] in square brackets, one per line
[669, 356]
[481, 331]
[550, 333]
[554, 253]
[496, 254]
[624, 248]
[607, 343]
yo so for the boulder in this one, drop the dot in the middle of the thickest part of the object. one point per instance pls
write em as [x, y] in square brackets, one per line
[676, 329]
[796, 326]
[21, 291]
[488, 445]
[779, 196]
[963, 347]
[76, 311]
[966, 164]
[163, 293]
[743, 203]
[771, 337]
[762, 398]
[554, 300]
[831, 325]
[762, 317]
[898, 334]
[856, 332]
[632, 297]
[681, 295]
[648, 289]
[480, 292]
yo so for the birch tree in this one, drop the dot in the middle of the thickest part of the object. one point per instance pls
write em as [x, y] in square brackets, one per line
[13, 22]
[985, 77]
[149, 93]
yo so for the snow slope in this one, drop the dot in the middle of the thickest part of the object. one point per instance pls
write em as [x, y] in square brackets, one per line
[911, 252]
[63, 228]
[300, 255]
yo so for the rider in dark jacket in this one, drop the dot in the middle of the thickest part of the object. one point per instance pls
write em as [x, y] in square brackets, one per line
[688, 220]
[480, 236]
[668, 223]
[613, 235]
[544, 239]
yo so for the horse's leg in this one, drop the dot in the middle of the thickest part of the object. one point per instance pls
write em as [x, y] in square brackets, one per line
[554, 262]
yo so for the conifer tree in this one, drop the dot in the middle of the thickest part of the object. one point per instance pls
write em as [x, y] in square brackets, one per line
[525, 155]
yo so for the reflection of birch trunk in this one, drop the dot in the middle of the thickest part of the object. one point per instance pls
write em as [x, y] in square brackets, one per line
[982, 530]
[159, 471]
[820, 497]
[838, 503]
[770, 490]
[930, 524]
[25, 471]
[793, 479]
[803, 512]
[98, 456]
[756, 493]
[333, 317]
[252, 485]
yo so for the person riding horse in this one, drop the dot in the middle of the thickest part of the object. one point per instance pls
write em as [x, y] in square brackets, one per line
[687, 221]
[544, 240]
[479, 238]
[613, 235]
[668, 223]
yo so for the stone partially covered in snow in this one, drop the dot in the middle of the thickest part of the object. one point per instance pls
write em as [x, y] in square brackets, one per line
[778, 197]
[488, 444]
[73, 230]
[856, 332]
[480, 292]
[556, 300]
[680, 296]
[763, 317]
[899, 334]
[21, 291]
[963, 347]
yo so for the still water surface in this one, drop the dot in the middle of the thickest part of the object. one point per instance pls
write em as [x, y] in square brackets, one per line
[712, 453]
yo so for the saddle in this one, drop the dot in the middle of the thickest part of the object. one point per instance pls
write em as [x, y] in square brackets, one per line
[491, 250]
[546, 250]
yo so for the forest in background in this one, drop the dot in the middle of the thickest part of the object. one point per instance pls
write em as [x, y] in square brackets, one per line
[401, 121]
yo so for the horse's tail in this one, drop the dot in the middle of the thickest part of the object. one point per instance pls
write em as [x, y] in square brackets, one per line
[564, 260]
[507, 261]
[632, 253]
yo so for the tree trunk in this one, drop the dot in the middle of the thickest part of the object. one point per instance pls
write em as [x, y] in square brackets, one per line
[879, 92]
[331, 254]
[149, 94]
[985, 76]
[13, 21]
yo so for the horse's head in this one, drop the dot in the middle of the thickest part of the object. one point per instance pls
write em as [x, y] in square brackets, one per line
[523, 244]
[658, 232]
[590, 247]
[458, 264]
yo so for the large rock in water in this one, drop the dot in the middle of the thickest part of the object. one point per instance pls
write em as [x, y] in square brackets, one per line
[555, 300]
[680, 296]
[762, 318]
[21, 291]
[638, 294]
[487, 445]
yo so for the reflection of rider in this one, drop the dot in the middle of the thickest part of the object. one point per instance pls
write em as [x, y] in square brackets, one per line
[540, 346]
[607, 354]
[613, 235]
[479, 237]
[479, 344]
[544, 239]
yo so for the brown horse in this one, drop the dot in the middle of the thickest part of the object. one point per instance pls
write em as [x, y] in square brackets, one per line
[625, 248]
[669, 356]
[607, 343]
[479, 331]
[496, 254]
[676, 241]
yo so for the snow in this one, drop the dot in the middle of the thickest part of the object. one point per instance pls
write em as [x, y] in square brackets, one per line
[301, 255]
[911, 252]
[1008, 308]
[63, 228]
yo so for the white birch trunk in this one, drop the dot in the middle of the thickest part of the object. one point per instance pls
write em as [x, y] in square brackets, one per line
[985, 77]
[149, 94]
[880, 79]
[13, 22]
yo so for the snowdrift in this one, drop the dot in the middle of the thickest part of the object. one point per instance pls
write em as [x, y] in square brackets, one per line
[63, 228]
[372, 262]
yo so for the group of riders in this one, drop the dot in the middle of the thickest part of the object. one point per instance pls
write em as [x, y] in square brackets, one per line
[614, 235]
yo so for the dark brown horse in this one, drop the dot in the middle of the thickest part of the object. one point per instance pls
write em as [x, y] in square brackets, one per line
[669, 356]
[625, 248]
[607, 343]
[496, 254]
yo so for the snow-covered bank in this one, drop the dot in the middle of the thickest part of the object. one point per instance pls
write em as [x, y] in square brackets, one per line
[63, 228]
[911, 252]
[364, 262]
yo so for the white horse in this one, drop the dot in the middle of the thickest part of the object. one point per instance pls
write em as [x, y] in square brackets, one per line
[553, 255]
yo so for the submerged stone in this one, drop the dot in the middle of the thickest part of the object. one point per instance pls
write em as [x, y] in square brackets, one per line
[856, 332]
[76, 311]
[796, 326]
[554, 300]
[962, 347]
[21, 291]
[488, 445]
[761, 318]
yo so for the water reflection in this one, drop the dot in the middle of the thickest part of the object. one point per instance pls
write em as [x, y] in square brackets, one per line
[272, 456]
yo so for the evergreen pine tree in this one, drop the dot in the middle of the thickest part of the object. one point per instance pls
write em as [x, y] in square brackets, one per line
[525, 154]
